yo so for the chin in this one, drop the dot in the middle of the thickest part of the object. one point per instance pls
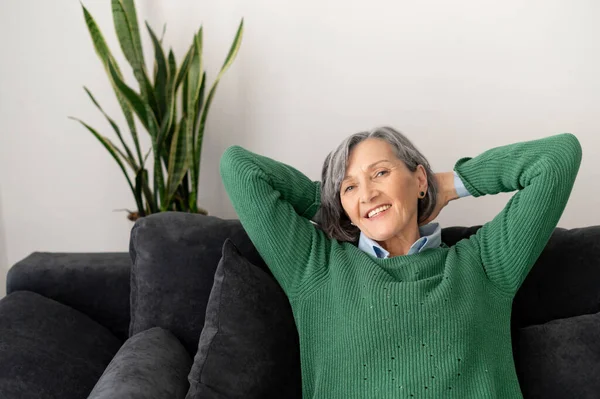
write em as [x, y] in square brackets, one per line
[384, 233]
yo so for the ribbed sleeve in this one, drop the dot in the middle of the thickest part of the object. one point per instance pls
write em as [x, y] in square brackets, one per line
[275, 203]
[543, 171]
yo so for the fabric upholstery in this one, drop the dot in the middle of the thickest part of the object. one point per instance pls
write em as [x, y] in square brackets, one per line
[561, 359]
[150, 365]
[175, 256]
[96, 284]
[249, 346]
[49, 350]
[565, 280]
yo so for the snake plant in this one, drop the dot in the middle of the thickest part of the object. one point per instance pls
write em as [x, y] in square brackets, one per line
[171, 106]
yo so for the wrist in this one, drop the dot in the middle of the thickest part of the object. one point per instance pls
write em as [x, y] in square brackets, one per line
[447, 187]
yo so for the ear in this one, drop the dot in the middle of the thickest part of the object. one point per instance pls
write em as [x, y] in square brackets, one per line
[421, 176]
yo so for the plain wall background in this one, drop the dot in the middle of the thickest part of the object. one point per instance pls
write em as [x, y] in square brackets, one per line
[456, 77]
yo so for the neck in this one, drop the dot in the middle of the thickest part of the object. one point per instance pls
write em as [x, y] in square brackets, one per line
[400, 244]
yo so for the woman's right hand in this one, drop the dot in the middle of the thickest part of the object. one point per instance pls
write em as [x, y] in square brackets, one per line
[446, 193]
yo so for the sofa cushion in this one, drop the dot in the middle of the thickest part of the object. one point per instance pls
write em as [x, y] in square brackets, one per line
[175, 255]
[564, 281]
[49, 350]
[249, 346]
[560, 359]
[150, 365]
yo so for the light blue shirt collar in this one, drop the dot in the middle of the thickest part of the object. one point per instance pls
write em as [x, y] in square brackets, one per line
[431, 237]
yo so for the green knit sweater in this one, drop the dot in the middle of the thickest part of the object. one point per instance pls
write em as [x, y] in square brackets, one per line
[430, 325]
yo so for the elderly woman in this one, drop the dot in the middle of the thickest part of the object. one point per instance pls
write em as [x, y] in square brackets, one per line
[385, 309]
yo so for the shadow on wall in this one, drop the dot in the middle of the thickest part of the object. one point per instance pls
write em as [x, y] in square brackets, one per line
[3, 254]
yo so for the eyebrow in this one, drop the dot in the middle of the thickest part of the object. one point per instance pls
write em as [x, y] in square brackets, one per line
[368, 167]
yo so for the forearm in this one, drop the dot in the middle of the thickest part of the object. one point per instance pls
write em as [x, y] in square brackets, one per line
[447, 186]
[551, 160]
[242, 169]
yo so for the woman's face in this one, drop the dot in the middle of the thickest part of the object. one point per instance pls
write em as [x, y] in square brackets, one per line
[379, 193]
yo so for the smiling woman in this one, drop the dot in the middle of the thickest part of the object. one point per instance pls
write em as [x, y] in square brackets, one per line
[430, 321]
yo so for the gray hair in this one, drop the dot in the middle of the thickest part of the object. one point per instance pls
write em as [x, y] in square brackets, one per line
[333, 219]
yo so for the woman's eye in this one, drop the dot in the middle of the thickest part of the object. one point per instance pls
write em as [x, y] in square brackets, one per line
[381, 173]
[348, 188]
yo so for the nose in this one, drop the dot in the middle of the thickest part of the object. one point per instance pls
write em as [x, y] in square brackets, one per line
[367, 193]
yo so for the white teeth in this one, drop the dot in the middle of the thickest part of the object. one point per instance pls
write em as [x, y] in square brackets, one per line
[378, 210]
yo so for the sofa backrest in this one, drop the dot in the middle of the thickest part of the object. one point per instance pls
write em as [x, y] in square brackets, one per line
[175, 256]
[564, 282]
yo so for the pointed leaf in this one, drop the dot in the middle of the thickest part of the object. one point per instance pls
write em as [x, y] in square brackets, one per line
[171, 110]
[129, 158]
[114, 152]
[162, 35]
[125, 33]
[106, 57]
[235, 47]
[195, 76]
[153, 128]
[125, 20]
[228, 61]
[131, 96]
[159, 182]
[142, 187]
[172, 66]
[177, 161]
[160, 82]
[139, 184]
[130, 12]
[183, 71]
[198, 138]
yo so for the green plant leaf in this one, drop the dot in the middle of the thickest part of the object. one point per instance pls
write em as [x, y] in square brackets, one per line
[134, 100]
[228, 61]
[142, 187]
[178, 162]
[129, 158]
[125, 20]
[171, 105]
[115, 153]
[194, 87]
[106, 57]
[162, 74]
[159, 182]
[197, 140]
[153, 128]
[139, 184]
[183, 71]
[235, 46]
[194, 76]
[130, 12]
[172, 66]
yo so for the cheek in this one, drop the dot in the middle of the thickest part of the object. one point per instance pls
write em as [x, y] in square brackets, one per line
[347, 206]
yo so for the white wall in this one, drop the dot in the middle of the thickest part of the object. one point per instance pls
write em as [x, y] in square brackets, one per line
[457, 77]
[3, 255]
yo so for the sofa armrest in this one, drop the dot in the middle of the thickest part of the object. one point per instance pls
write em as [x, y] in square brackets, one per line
[96, 284]
[151, 365]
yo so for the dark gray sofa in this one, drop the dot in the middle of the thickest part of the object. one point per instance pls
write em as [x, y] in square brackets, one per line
[130, 325]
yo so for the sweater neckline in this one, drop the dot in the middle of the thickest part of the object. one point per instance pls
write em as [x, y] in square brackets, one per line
[408, 268]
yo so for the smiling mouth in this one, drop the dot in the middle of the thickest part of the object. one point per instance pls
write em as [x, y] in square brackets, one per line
[378, 212]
